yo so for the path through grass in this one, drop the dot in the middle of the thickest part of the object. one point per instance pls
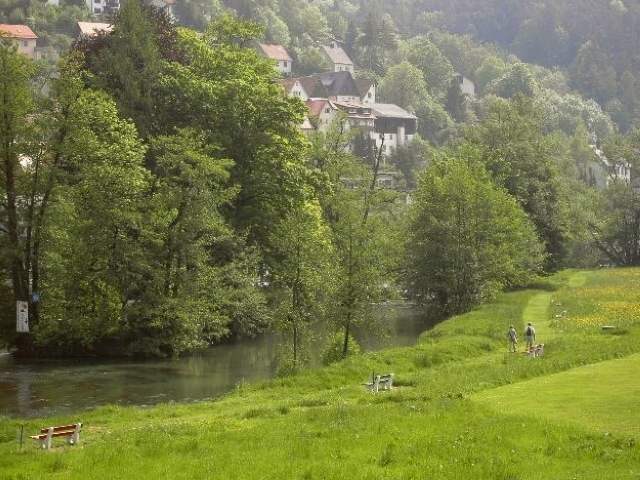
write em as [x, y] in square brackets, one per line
[323, 425]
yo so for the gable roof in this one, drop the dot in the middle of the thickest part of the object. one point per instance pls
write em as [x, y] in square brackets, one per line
[316, 106]
[90, 29]
[17, 31]
[274, 52]
[337, 55]
[364, 85]
[329, 84]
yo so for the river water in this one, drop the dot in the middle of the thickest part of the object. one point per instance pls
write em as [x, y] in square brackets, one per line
[47, 387]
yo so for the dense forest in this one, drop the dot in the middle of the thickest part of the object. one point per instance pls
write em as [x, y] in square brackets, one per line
[160, 197]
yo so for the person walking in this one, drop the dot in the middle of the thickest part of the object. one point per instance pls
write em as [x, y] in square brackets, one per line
[530, 335]
[512, 337]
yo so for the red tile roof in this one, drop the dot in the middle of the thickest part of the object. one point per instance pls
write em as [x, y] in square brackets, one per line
[17, 31]
[275, 52]
[316, 106]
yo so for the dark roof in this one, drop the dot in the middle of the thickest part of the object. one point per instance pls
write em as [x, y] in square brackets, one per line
[389, 110]
[329, 84]
[364, 84]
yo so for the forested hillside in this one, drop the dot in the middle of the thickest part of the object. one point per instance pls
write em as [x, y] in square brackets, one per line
[160, 195]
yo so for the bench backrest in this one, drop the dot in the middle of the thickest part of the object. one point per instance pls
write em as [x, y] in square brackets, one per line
[61, 428]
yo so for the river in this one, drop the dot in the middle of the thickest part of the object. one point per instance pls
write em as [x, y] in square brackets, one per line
[49, 387]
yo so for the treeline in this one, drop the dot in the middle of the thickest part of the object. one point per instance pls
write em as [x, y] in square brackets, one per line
[159, 197]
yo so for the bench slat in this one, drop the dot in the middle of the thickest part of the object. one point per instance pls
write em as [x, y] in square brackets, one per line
[55, 434]
[57, 429]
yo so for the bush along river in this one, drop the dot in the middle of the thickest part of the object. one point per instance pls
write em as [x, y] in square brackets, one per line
[47, 387]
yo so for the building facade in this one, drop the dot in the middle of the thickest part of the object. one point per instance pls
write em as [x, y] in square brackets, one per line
[22, 36]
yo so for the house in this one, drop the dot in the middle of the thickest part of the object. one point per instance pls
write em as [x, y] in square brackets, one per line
[367, 91]
[278, 54]
[358, 116]
[22, 36]
[393, 125]
[103, 6]
[91, 29]
[467, 87]
[322, 113]
[293, 88]
[338, 58]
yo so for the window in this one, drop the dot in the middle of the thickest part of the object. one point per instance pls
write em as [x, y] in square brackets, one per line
[369, 94]
[285, 64]
[25, 43]
[327, 110]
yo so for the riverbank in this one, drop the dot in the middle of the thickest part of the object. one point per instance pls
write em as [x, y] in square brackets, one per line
[449, 418]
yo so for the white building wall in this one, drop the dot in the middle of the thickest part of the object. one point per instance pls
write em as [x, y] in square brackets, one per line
[284, 66]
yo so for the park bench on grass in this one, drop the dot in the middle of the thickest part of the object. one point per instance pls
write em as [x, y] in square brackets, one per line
[46, 436]
[380, 382]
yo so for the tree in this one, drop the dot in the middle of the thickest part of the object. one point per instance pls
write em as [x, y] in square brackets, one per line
[593, 74]
[16, 105]
[404, 85]
[304, 273]
[410, 158]
[456, 102]
[467, 238]
[523, 160]
[435, 67]
[129, 63]
[517, 81]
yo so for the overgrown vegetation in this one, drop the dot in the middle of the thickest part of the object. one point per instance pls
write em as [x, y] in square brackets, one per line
[298, 426]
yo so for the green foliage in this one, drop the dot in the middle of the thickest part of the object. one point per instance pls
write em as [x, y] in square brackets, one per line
[404, 85]
[436, 68]
[304, 273]
[525, 162]
[334, 350]
[468, 238]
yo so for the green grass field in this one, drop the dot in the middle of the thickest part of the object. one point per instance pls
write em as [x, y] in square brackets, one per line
[603, 397]
[464, 408]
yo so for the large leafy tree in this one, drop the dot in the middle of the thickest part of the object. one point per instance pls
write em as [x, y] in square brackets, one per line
[467, 238]
[525, 162]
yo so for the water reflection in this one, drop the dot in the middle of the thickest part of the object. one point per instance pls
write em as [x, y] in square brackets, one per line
[44, 387]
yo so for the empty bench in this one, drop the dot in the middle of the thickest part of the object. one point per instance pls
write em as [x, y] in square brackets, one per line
[46, 435]
[380, 382]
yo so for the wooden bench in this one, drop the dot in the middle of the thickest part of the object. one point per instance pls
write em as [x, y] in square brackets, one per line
[380, 382]
[46, 435]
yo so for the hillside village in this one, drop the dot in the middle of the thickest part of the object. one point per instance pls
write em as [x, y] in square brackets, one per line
[336, 92]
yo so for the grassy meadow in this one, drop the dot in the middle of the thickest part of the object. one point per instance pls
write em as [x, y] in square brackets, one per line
[463, 408]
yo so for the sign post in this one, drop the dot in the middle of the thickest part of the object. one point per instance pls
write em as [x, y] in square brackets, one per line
[22, 316]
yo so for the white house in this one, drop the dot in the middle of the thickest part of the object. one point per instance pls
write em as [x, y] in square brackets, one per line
[103, 6]
[278, 54]
[393, 125]
[22, 36]
[367, 89]
[293, 88]
[466, 85]
[338, 58]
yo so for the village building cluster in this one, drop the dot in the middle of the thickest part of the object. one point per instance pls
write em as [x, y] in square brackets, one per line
[334, 93]
[338, 94]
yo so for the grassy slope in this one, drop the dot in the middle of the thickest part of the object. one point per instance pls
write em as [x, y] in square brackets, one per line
[323, 425]
[604, 396]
